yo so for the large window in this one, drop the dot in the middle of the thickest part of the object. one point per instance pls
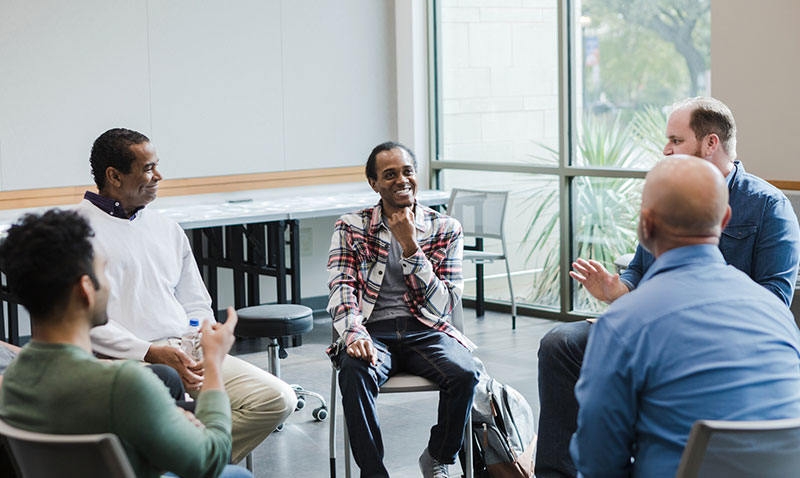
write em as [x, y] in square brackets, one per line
[564, 104]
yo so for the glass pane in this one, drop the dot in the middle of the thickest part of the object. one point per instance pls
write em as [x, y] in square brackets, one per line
[499, 82]
[605, 217]
[531, 231]
[634, 59]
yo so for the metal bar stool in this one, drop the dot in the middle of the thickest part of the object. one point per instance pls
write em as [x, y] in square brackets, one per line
[275, 321]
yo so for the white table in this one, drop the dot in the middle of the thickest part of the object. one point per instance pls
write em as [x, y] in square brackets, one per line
[245, 231]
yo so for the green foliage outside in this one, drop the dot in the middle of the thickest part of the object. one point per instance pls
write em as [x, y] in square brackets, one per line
[650, 52]
[605, 210]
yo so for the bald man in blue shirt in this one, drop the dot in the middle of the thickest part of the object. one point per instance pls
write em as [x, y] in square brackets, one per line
[697, 338]
[762, 239]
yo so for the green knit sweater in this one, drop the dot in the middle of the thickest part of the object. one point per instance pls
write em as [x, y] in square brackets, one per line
[62, 389]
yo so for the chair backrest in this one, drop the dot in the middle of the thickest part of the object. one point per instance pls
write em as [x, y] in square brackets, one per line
[66, 456]
[767, 448]
[481, 213]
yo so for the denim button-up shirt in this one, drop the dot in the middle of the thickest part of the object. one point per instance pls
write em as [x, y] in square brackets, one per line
[762, 238]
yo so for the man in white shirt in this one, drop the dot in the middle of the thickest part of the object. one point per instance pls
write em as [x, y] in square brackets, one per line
[156, 287]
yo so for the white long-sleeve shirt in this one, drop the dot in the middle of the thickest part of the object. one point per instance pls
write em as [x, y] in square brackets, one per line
[155, 283]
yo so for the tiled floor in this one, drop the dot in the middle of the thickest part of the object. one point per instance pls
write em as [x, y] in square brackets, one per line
[301, 449]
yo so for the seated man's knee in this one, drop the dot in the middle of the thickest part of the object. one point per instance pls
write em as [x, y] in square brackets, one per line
[171, 379]
[465, 378]
[352, 369]
[289, 399]
[563, 339]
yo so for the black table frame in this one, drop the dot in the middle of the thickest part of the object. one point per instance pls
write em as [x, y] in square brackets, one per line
[250, 250]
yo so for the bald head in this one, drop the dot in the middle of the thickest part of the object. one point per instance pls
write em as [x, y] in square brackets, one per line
[684, 202]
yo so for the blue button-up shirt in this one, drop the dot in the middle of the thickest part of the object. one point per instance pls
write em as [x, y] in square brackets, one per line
[696, 340]
[762, 238]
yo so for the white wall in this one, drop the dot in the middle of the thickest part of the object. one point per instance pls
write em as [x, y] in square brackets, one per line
[499, 80]
[220, 87]
[755, 71]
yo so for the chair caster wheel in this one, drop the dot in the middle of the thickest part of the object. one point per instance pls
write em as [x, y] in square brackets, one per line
[320, 414]
[301, 403]
[279, 427]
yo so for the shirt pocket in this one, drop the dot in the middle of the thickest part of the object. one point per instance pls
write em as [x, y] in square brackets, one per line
[737, 244]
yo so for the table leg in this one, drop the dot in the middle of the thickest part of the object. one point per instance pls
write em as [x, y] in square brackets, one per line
[294, 251]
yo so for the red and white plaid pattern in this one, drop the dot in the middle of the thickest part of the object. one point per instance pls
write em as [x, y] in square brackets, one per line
[357, 264]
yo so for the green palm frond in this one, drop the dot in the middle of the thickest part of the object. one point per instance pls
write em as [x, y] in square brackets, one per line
[605, 210]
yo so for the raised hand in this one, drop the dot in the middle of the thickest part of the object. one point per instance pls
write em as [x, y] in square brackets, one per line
[598, 281]
[401, 223]
[218, 339]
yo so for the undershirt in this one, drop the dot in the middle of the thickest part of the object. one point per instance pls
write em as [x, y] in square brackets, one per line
[391, 303]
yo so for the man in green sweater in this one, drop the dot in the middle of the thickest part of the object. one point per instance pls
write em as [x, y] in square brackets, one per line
[55, 385]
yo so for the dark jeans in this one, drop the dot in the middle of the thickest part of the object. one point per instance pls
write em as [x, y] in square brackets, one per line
[405, 344]
[560, 358]
[172, 380]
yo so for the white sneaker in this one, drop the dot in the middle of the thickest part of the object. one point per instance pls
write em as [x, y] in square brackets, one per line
[431, 468]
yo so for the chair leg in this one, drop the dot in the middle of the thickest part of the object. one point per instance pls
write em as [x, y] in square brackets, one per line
[468, 437]
[346, 450]
[332, 428]
[248, 462]
[273, 361]
[513, 298]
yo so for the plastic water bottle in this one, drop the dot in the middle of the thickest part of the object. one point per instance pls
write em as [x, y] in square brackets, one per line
[190, 341]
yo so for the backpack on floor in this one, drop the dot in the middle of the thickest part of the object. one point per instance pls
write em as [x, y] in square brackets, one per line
[503, 431]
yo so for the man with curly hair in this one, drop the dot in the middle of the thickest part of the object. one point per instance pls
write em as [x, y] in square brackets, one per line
[55, 385]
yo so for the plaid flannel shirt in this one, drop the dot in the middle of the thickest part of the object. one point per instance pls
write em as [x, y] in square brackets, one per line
[357, 263]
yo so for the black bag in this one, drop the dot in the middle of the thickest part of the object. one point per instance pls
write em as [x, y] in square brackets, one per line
[503, 432]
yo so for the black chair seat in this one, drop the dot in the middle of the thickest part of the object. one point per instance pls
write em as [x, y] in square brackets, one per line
[274, 320]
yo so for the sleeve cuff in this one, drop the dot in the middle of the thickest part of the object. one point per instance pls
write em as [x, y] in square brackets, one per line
[627, 284]
[355, 334]
[414, 263]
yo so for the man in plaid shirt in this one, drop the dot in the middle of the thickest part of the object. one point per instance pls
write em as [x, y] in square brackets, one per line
[395, 277]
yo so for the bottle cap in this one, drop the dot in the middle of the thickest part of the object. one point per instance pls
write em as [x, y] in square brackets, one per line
[194, 322]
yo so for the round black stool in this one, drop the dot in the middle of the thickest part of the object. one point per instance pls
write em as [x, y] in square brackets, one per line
[275, 321]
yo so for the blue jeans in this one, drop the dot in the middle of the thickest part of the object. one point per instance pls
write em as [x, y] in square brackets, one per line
[405, 344]
[560, 358]
[230, 471]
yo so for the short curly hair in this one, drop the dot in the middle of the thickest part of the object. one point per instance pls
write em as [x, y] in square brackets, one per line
[369, 169]
[113, 148]
[43, 256]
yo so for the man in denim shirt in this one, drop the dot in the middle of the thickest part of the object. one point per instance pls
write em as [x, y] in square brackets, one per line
[762, 239]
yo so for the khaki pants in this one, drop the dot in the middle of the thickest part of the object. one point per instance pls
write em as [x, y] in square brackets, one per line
[260, 402]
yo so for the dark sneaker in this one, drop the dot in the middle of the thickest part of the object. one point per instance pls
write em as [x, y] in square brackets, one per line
[431, 468]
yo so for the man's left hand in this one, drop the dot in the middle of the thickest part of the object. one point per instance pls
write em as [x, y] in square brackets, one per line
[401, 223]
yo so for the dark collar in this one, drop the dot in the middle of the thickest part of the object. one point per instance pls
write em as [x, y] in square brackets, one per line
[110, 206]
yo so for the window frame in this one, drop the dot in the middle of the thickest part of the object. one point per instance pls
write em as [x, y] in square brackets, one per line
[565, 171]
